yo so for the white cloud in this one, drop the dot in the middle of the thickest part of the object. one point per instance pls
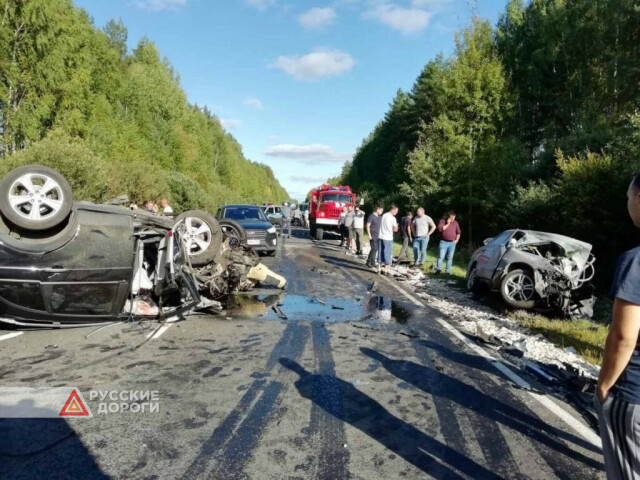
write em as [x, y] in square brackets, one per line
[317, 18]
[320, 63]
[307, 179]
[311, 154]
[253, 102]
[229, 123]
[260, 4]
[157, 5]
[432, 4]
[406, 20]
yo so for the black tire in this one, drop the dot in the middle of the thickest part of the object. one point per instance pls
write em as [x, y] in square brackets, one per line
[319, 234]
[54, 205]
[202, 247]
[472, 280]
[518, 289]
[271, 253]
[233, 231]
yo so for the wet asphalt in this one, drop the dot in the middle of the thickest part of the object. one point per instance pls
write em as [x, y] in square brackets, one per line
[326, 381]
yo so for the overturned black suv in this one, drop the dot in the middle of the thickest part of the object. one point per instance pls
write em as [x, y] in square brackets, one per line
[66, 263]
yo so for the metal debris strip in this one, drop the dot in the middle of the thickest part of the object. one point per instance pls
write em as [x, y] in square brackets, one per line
[279, 312]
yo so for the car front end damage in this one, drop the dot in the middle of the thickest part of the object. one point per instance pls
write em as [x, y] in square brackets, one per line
[563, 270]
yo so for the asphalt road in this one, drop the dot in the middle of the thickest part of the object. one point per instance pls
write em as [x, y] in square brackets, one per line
[328, 381]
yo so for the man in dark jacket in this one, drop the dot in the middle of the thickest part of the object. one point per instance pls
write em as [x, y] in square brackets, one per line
[406, 233]
[373, 230]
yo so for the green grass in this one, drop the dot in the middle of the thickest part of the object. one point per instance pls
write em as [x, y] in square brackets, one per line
[586, 336]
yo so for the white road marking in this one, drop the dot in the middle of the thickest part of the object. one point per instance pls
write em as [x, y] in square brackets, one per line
[159, 331]
[10, 335]
[583, 430]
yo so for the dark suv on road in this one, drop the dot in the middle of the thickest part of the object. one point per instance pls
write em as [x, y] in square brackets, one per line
[260, 233]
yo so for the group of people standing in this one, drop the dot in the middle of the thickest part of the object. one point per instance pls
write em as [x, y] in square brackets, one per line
[415, 231]
[351, 223]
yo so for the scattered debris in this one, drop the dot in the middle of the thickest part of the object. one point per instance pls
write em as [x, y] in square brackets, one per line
[322, 302]
[335, 307]
[279, 312]
[358, 383]
[494, 329]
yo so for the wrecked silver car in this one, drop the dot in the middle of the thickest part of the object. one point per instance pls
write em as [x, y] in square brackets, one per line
[66, 263]
[536, 270]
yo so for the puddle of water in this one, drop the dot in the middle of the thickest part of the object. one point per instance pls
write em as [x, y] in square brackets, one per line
[330, 310]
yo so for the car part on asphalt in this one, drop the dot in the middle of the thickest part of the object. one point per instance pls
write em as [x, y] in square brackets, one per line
[536, 270]
[261, 274]
[103, 263]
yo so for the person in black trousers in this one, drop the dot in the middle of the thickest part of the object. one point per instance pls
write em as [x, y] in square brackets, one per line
[373, 230]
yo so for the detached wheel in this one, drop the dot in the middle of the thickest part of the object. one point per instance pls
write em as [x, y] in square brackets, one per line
[472, 280]
[234, 232]
[518, 289]
[35, 198]
[319, 235]
[201, 236]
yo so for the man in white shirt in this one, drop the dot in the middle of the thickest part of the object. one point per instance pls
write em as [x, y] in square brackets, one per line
[358, 229]
[166, 208]
[341, 227]
[388, 225]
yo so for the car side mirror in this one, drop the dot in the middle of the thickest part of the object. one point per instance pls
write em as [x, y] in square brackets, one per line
[487, 241]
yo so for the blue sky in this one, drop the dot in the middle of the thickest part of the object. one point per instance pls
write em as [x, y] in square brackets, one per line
[299, 83]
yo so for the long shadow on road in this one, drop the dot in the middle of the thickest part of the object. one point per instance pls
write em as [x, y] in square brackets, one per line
[370, 417]
[44, 448]
[435, 383]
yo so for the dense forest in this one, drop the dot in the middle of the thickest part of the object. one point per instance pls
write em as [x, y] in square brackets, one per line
[532, 124]
[72, 97]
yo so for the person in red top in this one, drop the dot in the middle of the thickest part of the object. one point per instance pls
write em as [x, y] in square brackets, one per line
[449, 231]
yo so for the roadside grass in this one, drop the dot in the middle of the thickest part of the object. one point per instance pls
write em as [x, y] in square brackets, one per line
[587, 337]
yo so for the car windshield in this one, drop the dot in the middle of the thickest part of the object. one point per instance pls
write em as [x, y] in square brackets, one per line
[244, 213]
[336, 197]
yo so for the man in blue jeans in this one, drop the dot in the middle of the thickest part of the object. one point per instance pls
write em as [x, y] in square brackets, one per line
[422, 227]
[388, 226]
[449, 231]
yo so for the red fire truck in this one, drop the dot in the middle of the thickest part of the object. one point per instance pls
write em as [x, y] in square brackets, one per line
[325, 207]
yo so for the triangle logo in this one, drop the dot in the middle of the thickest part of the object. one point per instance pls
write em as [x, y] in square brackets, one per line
[75, 406]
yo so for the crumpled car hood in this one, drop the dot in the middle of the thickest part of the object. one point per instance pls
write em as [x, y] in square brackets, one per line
[576, 250]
